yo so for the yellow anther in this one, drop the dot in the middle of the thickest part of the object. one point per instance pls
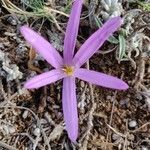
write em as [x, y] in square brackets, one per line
[68, 70]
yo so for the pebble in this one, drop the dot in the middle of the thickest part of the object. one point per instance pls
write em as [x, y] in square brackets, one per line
[131, 137]
[25, 114]
[115, 137]
[37, 132]
[144, 148]
[109, 97]
[120, 146]
[11, 130]
[132, 124]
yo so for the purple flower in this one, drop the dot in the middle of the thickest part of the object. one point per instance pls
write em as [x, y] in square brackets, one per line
[69, 67]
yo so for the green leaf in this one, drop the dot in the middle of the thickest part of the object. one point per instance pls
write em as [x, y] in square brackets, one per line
[122, 47]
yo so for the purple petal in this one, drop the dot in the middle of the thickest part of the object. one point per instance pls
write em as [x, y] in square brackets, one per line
[72, 31]
[101, 79]
[69, 102]
[43, 47]
[95, 41]
[44, 79]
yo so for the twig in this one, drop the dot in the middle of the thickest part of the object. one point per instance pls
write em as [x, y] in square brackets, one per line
[6, 146]
[126, 137]
[140, 73]
[90, 118]
[38, 122]
[92, 5]
[2, 91]
[82, 102]
[50, 10]
[108, 51]
[120, 134]
[13, 8]
[31, 139]
[111, 116]
[136, 130]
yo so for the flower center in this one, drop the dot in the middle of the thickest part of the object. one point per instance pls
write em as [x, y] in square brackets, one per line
[68, 70]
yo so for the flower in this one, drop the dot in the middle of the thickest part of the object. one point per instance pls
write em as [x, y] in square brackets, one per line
[69, 67]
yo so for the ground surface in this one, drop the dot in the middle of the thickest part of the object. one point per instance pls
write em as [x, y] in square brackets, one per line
[108, 119]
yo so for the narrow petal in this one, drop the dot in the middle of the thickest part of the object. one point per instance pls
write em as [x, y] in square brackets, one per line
[69, 102]
[95, 41]
[42, 46]
[44, 79]
[101, 79]
[72, 31]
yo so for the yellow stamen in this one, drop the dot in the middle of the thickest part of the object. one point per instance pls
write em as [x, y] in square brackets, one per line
[68, 70]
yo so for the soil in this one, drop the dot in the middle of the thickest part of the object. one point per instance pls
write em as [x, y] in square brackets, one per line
[108, 119]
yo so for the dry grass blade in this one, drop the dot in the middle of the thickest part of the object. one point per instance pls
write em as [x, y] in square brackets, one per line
[44, 12]
[37, 119]
[86, 135]
[111, 117]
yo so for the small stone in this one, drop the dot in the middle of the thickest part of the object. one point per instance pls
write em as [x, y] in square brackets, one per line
[120, 146]
[108, 97]
[132, 124]
[25, 114]
[37, 132]
[144, 148]
[115, 137]
[131, 137]
[129, 148]
[11, 130]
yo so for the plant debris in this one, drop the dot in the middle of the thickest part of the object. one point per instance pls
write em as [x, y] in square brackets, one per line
[109, 120]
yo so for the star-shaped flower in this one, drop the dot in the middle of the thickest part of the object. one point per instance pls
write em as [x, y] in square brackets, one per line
[69, 67]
